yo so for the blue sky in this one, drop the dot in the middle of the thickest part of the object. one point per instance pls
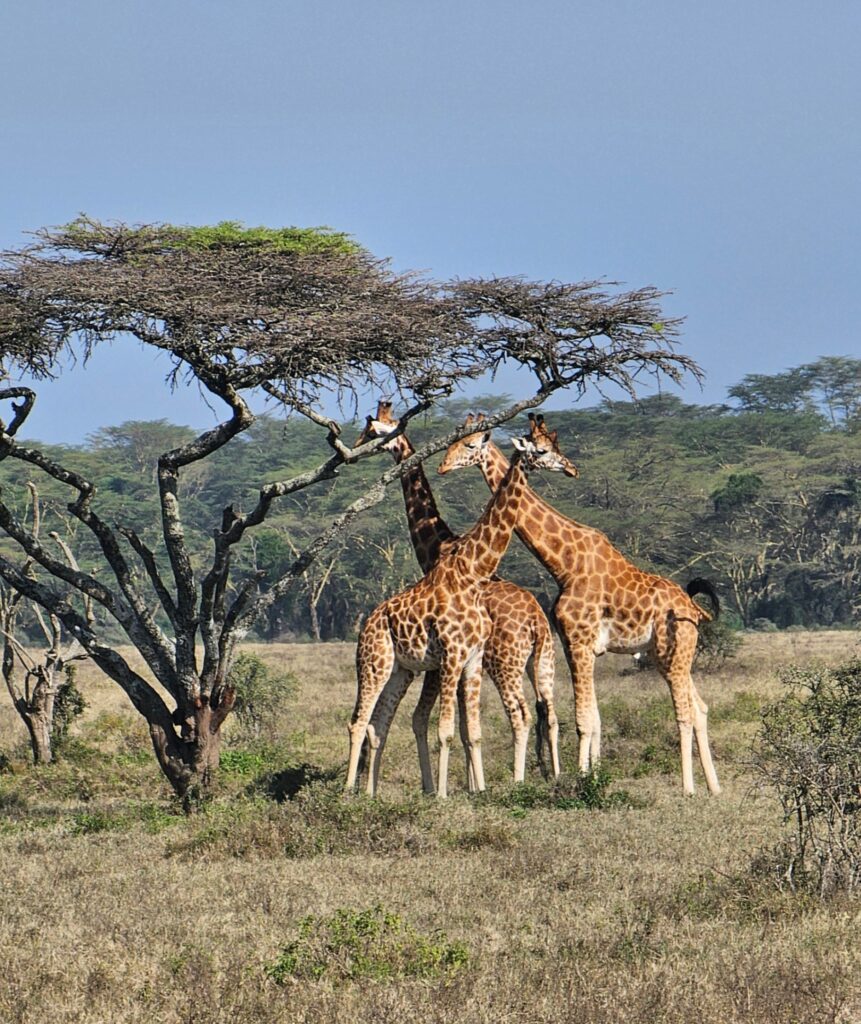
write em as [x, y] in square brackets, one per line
[709, 149]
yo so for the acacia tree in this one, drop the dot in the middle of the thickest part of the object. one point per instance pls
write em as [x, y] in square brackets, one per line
[298, 314]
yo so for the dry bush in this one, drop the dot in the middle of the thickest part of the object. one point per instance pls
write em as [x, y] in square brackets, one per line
[809, 752]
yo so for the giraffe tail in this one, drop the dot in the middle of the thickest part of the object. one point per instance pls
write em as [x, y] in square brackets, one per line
[542, 670]
[702, 586]
[542, 731]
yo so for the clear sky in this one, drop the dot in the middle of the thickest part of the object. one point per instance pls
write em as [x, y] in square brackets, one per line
[711, 149]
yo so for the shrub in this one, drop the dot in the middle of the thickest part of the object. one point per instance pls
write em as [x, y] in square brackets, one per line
[588, 791]
[69, 704]
[261, 692]
[809, 751]
[718, 643]
[357, 944]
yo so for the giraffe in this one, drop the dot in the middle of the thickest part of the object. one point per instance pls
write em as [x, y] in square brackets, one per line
[520, 636]
[441, 623]
[606, 604]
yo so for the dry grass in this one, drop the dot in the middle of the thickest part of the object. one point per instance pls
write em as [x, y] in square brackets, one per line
[115, 910]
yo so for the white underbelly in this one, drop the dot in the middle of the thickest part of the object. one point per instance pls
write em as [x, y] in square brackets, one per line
[622, 641]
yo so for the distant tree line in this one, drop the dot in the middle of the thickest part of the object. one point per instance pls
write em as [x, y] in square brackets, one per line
[762, 494]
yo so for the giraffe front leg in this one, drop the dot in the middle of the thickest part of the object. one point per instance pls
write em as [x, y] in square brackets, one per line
[421, 723]
[449, 677]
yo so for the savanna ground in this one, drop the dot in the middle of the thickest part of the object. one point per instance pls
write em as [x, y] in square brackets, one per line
[115, 908]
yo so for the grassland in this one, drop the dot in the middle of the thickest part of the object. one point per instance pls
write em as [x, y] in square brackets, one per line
[114, 908]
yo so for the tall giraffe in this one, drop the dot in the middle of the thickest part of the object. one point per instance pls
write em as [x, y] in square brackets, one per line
[441, 623]
[520, 636]
[606, 604]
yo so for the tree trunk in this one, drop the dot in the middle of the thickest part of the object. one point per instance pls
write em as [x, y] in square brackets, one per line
[39, 722]
[191, 764]
[315, 622]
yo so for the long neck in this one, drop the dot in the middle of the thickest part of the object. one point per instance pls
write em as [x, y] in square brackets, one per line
[536, 519]
[428, 530]
[485, 544]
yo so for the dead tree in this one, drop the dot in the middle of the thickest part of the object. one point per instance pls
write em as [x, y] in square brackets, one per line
[298, 315]
[34, 699]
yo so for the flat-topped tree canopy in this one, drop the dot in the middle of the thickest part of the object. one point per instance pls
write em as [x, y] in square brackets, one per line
[303, 310]
[570, 333]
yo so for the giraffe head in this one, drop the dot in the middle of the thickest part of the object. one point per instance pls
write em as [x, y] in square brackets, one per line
[378, 426]
[540, 449]
[469, 450]
[547, 442]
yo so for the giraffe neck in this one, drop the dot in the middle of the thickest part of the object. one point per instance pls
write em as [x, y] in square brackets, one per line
[428, 530]
[536, 521]
[480, 551]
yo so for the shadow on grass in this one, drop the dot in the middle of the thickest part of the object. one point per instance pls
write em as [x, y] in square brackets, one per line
[289, 782]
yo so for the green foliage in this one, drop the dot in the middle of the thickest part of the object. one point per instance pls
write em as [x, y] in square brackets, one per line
[589, 791]
[261, 693]
[372, 944]
[153, 817]
[240, 761]
[69, 704]
[318, 820]
[809, 751]
[85, 234]
[739, 490]
[744, 707]
[233, 234]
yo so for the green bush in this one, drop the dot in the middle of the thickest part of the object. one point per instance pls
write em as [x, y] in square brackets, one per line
[365, 944]
[261, 693]
[588, 791]
[69, 704]
[809, 751]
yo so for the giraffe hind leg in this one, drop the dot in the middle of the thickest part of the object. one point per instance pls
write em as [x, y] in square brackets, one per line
[381, 721]
[701, 732]
[542, 671]
[374, 664]
[507, 676]
[674, 652]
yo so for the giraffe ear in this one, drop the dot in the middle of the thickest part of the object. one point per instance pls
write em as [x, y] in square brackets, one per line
[520, 444]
